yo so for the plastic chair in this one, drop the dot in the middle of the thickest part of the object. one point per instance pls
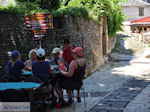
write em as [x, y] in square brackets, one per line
[10, 78]
[13, 95]
[3, 80]
[33, 79]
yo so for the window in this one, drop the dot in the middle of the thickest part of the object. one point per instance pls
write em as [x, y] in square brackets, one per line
[141, 11]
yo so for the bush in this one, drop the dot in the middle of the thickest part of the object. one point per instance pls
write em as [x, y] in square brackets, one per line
[22, 8]
[71, 11]
[43, 4]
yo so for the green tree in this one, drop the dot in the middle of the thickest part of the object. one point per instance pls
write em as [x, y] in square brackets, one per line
[43, 4]
[99, 8]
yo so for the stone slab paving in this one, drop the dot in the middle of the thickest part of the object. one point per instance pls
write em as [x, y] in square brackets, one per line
[119, 99]
[141, 103]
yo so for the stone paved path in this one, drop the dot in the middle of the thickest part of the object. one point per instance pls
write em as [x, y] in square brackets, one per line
[141, 103]
[133, 95]
[119, 99]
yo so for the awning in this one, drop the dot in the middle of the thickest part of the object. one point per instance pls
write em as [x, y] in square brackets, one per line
[141, 22]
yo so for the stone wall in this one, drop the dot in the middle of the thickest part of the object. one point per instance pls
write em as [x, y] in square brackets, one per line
[13, 36]
[81, 32]
[132, 13]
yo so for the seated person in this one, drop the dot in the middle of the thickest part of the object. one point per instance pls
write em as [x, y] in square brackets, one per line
[32, 58]
[73, 78]
[57, 63]
[57, 60]
[15, 66]
[41, 68]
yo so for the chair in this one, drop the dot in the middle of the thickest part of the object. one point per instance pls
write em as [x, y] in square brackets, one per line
[10, 78]
[13, 95]
[40, 94]
[80, 88]
[33, 79]
[40, 98]
[3, 80]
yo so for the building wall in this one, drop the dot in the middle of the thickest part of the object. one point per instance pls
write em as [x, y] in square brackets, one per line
[132, 13]
[81, 32]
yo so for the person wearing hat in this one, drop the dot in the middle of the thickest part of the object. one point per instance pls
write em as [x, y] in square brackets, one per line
[32, 58]
[57, 63]
[15, 66]
[41, 68]
[73, 78]
[57, 60]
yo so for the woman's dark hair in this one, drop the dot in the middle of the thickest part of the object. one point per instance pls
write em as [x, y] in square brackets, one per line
[66, 41]
[40, 58]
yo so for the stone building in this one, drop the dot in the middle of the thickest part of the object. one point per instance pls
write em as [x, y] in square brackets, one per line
[136, 9]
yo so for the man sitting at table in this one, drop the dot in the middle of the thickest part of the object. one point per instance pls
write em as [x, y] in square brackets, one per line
[15, 66]
[57, 60]
[41, 68]
[57, 63]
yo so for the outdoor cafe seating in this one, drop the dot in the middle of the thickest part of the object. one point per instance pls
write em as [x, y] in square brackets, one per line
[31, 90]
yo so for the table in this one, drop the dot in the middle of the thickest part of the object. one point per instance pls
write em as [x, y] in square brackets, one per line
[18, 85]
[26, 73]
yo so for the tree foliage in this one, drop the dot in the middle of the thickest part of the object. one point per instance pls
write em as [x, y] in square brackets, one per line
[43, 4]
[91, 9]
[99, 8]
[22, 8]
